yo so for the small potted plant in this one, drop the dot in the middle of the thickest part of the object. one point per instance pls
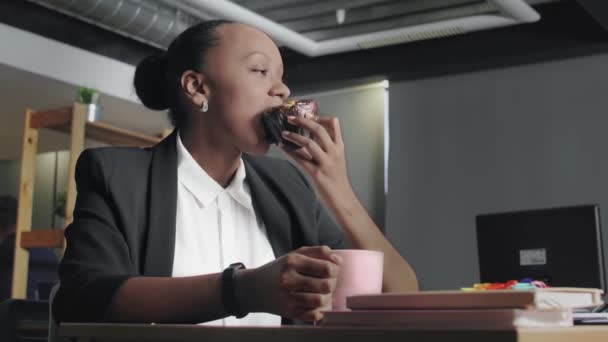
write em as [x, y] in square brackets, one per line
[90, 98]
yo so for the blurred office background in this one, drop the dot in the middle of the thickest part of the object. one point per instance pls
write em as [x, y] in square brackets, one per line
[436, 130]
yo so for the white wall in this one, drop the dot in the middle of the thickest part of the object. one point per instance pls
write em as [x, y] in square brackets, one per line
[42, 74]
[59, 61]
[523, 137]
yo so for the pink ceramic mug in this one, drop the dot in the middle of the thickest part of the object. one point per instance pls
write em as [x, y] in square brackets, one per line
[360, 273]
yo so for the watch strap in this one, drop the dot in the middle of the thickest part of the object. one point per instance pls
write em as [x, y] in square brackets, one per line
[231, 303]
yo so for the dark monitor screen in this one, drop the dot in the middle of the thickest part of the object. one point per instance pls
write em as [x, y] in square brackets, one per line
[560, 246]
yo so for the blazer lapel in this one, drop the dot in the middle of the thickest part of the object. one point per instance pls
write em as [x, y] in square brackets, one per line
[162, 209]
[275, 217]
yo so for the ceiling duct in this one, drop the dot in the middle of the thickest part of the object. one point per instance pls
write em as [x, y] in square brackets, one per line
[151, 22]
[311, 28]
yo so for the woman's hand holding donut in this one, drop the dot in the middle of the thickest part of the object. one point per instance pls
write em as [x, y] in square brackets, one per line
[323, 158]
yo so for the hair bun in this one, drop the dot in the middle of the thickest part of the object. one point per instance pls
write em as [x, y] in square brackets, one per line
[151, 84]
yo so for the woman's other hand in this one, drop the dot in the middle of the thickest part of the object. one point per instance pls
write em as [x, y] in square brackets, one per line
[298, 285]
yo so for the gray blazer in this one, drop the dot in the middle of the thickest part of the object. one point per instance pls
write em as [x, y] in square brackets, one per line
[124, 221]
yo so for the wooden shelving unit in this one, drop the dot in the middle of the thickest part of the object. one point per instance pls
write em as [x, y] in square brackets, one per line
[71, 120]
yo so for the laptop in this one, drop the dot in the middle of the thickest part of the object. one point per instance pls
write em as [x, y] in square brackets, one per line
[560, 246]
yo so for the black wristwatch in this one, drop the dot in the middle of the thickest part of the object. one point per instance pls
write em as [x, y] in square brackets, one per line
[231, 303]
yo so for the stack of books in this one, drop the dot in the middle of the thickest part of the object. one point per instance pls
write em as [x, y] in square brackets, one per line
[489, 309]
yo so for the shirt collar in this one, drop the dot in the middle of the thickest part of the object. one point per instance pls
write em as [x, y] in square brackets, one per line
[204, 188]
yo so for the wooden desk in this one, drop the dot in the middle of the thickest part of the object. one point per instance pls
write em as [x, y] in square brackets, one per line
[161, 332]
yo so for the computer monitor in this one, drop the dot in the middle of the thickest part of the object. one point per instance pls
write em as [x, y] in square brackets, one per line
[560, 246]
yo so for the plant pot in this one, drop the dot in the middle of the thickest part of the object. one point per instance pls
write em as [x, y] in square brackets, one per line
[93, 112]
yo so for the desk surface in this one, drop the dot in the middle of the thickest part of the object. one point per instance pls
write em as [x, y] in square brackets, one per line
[168, 332]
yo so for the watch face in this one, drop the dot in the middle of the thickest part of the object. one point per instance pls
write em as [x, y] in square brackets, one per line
[237, 265]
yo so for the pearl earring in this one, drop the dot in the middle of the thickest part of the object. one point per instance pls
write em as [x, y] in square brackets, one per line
[205, 107]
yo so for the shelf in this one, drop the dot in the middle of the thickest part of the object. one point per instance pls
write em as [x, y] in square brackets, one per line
[49, 238]
[71, 120]
[60, 120]
[118, 136]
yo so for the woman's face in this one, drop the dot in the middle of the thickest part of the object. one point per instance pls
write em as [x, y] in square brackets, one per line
[243, 78]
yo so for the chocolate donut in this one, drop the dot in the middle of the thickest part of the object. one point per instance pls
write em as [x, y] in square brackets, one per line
[275, 120]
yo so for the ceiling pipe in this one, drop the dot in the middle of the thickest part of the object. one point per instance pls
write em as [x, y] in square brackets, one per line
[519, 11]
[141, 20]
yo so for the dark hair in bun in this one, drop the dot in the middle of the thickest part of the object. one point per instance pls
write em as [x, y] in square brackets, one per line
[151, 83]
[157, 78]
